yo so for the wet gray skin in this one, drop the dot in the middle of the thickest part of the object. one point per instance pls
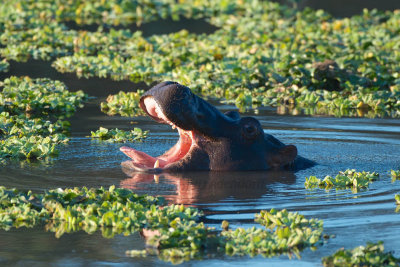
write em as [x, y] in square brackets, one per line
[209, 139]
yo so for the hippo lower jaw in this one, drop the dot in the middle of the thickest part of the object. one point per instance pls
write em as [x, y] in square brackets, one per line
[186, 145]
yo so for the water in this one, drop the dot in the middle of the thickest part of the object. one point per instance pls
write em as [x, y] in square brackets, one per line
[335, 143]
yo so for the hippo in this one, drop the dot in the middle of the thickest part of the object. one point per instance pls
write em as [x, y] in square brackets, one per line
[209, 140]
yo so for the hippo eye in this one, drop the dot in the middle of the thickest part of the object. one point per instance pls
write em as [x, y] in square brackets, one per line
[250, 131]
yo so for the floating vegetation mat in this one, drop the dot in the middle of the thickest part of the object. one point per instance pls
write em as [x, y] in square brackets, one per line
[119, 136]
[124, 104]
[4, 65]
[262, 54]
[32, 113]
[348, 179]
[395, 174]
[371, 255]
[172, 231]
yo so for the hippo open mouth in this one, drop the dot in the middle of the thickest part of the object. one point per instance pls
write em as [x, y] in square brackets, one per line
[208, 138]
[187, 141]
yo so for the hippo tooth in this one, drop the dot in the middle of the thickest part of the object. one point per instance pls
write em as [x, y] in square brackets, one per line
[156, 164]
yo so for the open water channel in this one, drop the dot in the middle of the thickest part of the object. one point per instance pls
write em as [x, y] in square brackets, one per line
[335, 143]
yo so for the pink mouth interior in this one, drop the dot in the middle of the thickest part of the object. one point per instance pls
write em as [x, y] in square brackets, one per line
[141, 160]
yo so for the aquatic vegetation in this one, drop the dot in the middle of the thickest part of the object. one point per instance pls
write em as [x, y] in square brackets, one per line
[40, 97]
[4, 65]
[115, 12]
[20, 125]
[395, 174]
[262, 54]
[285, 232]
[30, 138]
[124, 104]
[172, 231]
[31, 118]
[370, 255]
[32, 147]
[116, 135]
[74, 209]
[397, 198]
[344, 180]
[361, 103]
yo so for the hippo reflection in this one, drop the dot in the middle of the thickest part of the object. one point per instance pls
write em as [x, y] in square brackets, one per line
[206, 187]
[209, 139]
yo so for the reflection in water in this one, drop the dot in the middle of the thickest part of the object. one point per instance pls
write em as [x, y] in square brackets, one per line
[207, 187]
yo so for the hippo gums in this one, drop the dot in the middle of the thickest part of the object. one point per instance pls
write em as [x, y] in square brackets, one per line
[208, 139]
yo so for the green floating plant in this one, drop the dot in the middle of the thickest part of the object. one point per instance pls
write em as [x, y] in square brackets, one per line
[117, 136]
[344, 180]
[173, 232]
[285, 232]
[32, 147]
[31, 117]
[124, 104]
[114, 210]
[262, 54]
[39, 97]
[4, 65]
[397, 198]
[370, 255]
[395, 174]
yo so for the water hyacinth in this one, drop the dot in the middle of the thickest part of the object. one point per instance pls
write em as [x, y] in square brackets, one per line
[173, 232]
[262, 54]
[87, 209]
[24, 138]
[344, 180]
[4, 65]
[124, 104]
[181, 242]
[31, 118]
[370, 255]
[41, 97]
[32, 147]
[118, 136]
[285, 232]
[395, 174]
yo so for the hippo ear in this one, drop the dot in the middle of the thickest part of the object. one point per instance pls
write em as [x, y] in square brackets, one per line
[285, 156]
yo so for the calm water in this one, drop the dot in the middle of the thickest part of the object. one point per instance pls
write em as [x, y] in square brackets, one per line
[335, 143]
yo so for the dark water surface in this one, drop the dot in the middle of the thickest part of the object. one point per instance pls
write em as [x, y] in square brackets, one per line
[335, 143]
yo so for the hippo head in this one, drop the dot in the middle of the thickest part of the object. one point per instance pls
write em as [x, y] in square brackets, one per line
[208, 139]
